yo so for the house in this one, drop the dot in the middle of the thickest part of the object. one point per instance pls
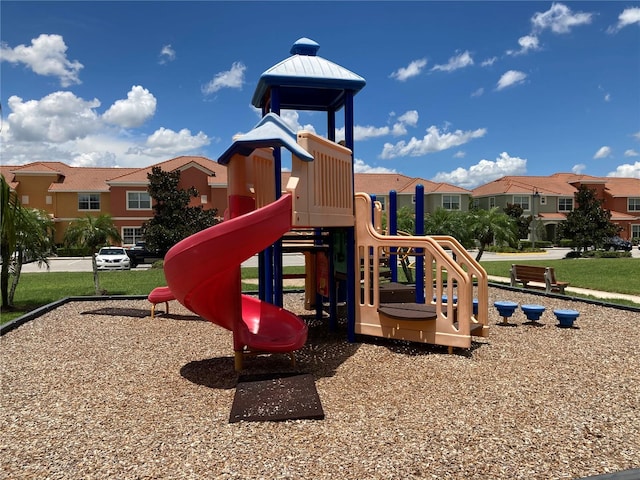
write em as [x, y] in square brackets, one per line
[68, 193]
[436, 195]
[548, 199]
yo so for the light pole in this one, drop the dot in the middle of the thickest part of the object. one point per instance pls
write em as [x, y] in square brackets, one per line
[536, 199]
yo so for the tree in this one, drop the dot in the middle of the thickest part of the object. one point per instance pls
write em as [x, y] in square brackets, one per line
[24, 232]
[492, 225]
[10, 211]
[93, 232]
[452, 223]
[522, 223]
[588, 224]
[406, 220]
[173, 218]
[34, 242]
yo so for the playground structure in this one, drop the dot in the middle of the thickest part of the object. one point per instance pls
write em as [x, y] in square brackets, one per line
[203, 271]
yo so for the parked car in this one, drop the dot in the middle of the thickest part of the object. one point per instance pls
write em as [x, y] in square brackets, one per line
[113, 258]
[617, 243]
[139, 254]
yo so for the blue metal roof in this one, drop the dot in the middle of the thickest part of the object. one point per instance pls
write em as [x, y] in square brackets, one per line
[307, 81]
[270, 131]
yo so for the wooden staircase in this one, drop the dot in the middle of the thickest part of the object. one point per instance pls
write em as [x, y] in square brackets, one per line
[390, 310]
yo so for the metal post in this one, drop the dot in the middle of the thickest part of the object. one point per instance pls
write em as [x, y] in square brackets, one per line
[420, 251]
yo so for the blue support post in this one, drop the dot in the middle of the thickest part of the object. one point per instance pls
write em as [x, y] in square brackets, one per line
[276, 280]
[392, 222]
[419, 251]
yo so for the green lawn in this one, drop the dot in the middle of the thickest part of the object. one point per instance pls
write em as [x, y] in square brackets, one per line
[36, 289]
[620, 275]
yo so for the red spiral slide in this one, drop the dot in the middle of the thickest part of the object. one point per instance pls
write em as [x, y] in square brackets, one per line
[203, 273]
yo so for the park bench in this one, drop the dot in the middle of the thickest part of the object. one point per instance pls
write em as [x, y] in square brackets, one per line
[546, 276]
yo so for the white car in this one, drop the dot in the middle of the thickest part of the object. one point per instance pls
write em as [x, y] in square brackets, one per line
[113, 258]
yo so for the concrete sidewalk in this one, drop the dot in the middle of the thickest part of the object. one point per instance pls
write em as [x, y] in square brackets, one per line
[581, 291]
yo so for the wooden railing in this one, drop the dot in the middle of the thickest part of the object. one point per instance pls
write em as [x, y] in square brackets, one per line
[445, 277]
[323, 188]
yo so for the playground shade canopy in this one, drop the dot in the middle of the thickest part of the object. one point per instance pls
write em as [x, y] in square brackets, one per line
[306, 81]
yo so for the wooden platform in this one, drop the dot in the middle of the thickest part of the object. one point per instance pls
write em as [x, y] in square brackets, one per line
[408, 311]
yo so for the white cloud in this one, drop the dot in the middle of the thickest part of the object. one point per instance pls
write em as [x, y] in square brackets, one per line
[631, 153]
[603, 152]
[527, 43]
[479, 92]
[512, 77]
[167, 54]
[399, 127]
[459, 61]
[488, 62]
[46, 56]
[459, 154]
[292, 119]
[58, 117]
[578, 168]
[629, 16]
[559, 19]
[139, 106]
[410, 117]
[636, 135]
[484, 171]
[165, 142]
[233, 78]
[433, 141]
[412, 70]
[93, 159]
[360, 167]
[68, 129]
[626, 170]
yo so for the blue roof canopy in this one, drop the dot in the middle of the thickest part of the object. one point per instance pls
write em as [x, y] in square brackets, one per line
[270, 131]
[307, 81]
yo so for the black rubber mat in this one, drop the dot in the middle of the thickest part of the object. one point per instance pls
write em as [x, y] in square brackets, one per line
[276, 398]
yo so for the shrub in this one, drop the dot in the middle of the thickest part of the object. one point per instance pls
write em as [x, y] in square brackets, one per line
[73, 251]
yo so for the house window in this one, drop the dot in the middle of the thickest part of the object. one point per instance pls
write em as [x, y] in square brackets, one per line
[138, 201]
[635, 231]
[543, 200]
[634, 204]
[413, 198]
[131, 235]
[451, 202]
[203, 199]
[476, 203]
[48, 199]
[565, 204]
[25, 200]
[492, 202]
[382, 202]
[88, 201]
[522, 201]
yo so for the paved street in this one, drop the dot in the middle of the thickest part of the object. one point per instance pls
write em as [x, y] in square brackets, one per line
[65, 264]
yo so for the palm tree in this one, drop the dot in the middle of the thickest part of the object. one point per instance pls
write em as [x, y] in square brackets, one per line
[92, 232]
[34, 240]
[10, 211]
[492, 225]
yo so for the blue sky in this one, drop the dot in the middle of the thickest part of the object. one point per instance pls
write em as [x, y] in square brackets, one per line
[458, 92]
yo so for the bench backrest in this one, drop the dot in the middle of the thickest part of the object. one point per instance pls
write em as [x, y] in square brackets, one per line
[528, 272]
